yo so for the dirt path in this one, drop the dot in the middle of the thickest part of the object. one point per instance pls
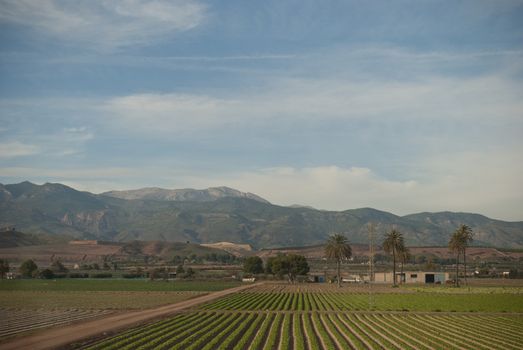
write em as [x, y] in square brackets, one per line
[52, 338]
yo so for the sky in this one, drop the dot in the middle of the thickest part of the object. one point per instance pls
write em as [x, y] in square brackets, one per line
[403, 106]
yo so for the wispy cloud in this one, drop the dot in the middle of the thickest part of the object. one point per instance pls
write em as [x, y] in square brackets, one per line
[17, 149]
[105, 24]
[443, 99]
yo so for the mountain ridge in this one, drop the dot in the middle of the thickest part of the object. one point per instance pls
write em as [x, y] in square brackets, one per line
[186, 194]
[59, 209]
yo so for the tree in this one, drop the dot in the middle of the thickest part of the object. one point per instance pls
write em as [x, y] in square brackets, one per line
[404, 255]
[253, 264]
[179, 271]
[393, 244]
[291, 265]
[466, 236]
[4, 268]
[57, 266]
[47, 274]
[189, 272]
[338, 248]
[28, 268]
[268, 266]
[458, 243]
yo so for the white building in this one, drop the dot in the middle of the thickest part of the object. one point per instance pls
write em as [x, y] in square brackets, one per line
[412, 277]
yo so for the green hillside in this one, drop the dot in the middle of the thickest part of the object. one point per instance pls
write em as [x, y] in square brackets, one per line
[58, 209]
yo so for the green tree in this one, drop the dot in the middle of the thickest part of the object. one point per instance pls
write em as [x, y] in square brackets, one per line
[28, 268]
[268, 266]
[458, 243]
[338, 248]
[189, 272]
[4, 268]
[393, 244]
[291, 265]
[47, 274]
[179, 271]
[404, 255]
[57, 266]
[253, 264]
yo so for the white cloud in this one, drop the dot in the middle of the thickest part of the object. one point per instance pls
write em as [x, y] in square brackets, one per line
[17, 149]
[105, 24]
[488, 184]
[442, 99]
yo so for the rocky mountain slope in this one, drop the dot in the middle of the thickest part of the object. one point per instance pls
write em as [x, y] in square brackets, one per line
[161, 194]
[58, 209]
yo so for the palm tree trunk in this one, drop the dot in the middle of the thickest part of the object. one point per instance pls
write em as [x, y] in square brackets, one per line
[394, 266]
[339, 275]
[457, 270]
[401, 272]
[465, 265]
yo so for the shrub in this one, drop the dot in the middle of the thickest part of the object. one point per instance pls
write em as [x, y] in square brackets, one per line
[47, 274]
[78, 275]
[101, 275]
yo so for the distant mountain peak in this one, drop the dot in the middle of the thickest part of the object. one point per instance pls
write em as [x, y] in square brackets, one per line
[186, 194]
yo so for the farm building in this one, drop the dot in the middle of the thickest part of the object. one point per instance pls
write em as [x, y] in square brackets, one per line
[412, 277]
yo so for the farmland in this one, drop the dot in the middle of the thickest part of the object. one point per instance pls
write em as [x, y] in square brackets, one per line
[322, 330]
[27, 305]
[114, 285]
[277, 316]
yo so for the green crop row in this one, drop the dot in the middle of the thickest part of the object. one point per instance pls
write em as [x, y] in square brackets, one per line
[209, 330]
[299, 301]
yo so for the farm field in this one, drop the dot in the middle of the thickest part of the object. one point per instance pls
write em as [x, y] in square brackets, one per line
[18, 321]
[279, 316]
[90, 300]
[114, 285]
[332, 300]
[322, 330]
[27, 305]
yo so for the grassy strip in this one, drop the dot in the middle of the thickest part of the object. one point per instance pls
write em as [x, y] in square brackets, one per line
[114, 285]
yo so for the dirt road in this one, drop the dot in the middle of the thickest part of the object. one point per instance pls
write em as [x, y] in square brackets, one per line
[56, 337]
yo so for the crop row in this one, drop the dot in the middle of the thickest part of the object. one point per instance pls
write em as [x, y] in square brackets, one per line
[17, 321]
[273, 330]
[302, 301]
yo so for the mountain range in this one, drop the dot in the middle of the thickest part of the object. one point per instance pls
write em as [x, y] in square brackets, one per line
[223, 214]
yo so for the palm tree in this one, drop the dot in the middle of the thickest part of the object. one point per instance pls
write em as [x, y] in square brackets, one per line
[404, 255]
[455, 247]
[459, 242]
[394, 244]
[338, 248]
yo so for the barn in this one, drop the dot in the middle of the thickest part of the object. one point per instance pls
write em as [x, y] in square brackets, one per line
[428, 277]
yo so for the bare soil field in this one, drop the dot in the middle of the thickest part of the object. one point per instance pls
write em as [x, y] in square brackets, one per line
[57, 337]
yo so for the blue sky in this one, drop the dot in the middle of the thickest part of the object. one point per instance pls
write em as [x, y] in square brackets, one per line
[404, 106]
